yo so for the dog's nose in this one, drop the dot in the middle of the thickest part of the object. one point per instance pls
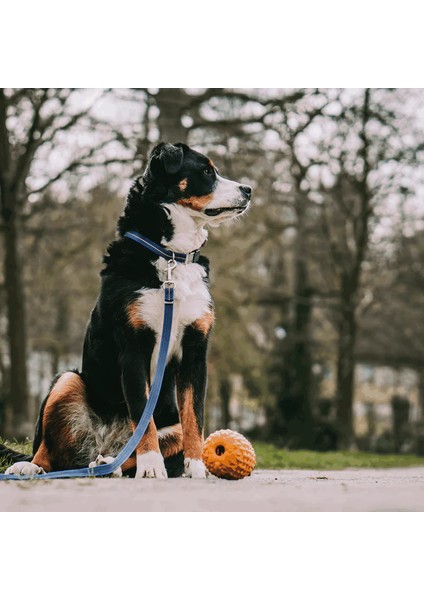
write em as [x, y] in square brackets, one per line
[246, 190]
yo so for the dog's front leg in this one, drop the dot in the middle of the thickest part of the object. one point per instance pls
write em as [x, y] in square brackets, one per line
[135, 385]
[191, 392]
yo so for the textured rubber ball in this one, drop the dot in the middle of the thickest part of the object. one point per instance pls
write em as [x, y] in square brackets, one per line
[228, 454]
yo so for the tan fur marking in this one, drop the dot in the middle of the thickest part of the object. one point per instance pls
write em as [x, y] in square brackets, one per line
[149, 442]
[42, 458]
[133, 313]
[172, 441]
[196, 202]
[130, 463]
[204, 324]
[68, 388]
[211, 164]
[170, 444]
[182, 185]
[192, 438]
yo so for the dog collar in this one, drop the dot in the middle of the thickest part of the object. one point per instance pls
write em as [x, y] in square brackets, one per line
[191, 257]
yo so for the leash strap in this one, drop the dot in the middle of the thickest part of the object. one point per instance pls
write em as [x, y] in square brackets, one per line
[139, 431]
[191, 257]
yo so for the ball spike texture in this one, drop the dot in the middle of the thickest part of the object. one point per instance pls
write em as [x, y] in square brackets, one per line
[228, 454]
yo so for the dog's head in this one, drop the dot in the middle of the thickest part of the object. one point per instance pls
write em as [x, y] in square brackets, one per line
[183, 176]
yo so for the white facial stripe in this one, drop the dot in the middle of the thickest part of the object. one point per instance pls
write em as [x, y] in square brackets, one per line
[226, 194]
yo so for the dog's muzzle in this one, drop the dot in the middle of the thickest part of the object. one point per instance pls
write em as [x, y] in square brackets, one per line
[213, 212]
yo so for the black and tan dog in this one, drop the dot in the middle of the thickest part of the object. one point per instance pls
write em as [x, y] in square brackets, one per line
[87, 417]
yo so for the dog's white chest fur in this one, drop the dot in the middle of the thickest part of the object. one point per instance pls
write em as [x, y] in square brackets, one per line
[191, 301]
[191, 294]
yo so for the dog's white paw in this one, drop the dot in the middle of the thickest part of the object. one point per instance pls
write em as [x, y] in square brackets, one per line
[24, 468]
[194, 468]
[105, 460]
[151, 465]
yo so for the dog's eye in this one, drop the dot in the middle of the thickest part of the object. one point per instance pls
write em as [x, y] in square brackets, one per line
[208, 171]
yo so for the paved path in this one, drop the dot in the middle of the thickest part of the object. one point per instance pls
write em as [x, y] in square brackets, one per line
[283, 490]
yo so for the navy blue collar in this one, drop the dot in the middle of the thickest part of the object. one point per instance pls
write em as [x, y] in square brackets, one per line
[191, 257]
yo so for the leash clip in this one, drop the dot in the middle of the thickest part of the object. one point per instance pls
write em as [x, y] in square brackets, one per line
[168, 285]
[172, 263]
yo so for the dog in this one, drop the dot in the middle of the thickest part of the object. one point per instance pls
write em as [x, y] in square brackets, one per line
[88, 416]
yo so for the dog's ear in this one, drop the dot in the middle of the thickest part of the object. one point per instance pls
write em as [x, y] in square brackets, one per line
[172, 158]
[166, 159]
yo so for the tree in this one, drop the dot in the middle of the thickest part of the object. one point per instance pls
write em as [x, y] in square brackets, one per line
[33, 126]
[364, 160]
[295, 418]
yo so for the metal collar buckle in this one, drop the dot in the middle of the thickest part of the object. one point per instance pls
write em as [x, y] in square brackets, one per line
[192, 257]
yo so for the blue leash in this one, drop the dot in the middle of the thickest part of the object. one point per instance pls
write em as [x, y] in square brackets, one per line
[139, 431]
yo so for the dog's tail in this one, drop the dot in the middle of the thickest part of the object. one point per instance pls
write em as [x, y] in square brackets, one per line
[13, 456]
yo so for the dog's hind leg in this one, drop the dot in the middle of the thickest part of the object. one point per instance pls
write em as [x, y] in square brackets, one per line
[55, 447]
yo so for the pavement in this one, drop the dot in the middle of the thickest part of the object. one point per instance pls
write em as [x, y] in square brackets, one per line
[264, 490]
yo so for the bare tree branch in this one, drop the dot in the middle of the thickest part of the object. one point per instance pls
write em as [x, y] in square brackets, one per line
[73, 165]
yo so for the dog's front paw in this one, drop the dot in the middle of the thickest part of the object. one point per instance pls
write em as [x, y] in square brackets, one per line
[151, 465]
[24, 468]
[194, 468]
[105, 460]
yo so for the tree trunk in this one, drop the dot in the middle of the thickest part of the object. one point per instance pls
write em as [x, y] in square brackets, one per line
[345, 375]
[4, 386]
[421, 393]
[295, 402]
[225, 394]
[17, 414]
[171, 103]
[295, 396]
[349, 293]
[17, 420]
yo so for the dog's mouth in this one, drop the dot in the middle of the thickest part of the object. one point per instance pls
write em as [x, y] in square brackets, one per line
[214, 212]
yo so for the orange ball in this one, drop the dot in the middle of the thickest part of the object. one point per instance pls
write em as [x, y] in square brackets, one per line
[228, 454]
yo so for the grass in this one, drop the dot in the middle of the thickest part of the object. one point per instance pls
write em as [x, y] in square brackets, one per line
[271, 457]
[25, 448]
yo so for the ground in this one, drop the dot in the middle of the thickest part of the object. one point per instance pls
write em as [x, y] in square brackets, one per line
[283, 481]
[265, 490]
